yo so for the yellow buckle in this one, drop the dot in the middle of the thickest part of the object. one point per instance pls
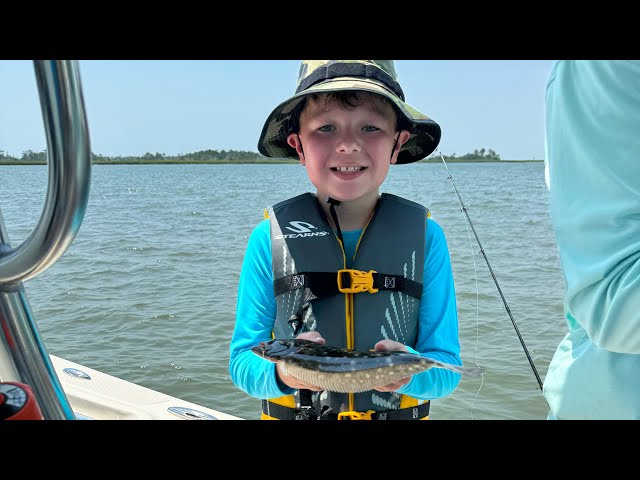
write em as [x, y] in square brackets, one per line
[351, 415]
[360, 281]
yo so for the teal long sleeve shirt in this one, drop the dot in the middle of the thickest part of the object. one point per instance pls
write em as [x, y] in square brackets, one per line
[593, 174]
[256, 313]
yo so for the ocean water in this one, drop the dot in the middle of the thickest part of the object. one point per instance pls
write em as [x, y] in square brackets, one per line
[147, 290]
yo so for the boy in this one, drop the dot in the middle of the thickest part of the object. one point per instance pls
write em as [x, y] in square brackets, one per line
[347, 123]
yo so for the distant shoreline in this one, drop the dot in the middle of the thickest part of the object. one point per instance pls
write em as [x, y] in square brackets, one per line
[246, 162]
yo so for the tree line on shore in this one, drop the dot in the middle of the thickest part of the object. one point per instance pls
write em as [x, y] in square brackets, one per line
[221, 156]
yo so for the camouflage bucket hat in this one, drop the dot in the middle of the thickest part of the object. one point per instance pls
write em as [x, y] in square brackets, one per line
[322, 76]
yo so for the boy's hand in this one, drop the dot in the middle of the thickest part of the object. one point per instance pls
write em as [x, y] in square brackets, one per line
[313, 337]
[292, 381]
[391, 345]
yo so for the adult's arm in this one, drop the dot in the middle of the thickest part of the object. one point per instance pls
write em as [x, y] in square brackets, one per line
[593, 174]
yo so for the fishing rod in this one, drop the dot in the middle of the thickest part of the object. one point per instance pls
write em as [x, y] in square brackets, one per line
[515, 326]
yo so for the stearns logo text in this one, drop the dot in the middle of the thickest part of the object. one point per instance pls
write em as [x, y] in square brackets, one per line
[301, 230]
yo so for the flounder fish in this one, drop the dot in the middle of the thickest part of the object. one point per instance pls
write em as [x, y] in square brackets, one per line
[345, 370]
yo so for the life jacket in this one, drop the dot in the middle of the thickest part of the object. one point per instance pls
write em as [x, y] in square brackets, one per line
[377, 298]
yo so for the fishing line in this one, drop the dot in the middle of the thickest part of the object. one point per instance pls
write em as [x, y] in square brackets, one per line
[475, 276]
[504, 301]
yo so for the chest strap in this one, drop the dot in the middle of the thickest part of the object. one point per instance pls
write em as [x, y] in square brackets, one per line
[287, 413]
[324, 284]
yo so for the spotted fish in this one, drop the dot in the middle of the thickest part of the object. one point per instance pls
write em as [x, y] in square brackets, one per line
[344, 370]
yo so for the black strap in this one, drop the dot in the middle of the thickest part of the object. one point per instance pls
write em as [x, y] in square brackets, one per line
[287, 413]
[324, 284]
[345, 69]
[333, 203]
[410, 413]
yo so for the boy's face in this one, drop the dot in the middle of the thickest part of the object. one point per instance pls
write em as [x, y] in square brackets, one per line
[347, 151]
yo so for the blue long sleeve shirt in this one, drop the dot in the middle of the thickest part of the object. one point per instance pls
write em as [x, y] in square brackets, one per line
[593, 174]
[256, 313]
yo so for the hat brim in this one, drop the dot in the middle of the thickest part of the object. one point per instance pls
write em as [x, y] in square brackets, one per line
[425, 133]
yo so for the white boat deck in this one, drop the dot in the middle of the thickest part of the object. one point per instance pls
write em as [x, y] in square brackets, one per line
[94, 395]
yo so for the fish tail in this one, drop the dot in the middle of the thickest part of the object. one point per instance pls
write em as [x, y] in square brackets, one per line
[470, 371]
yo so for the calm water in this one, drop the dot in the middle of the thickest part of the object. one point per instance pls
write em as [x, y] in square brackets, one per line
[147, 291]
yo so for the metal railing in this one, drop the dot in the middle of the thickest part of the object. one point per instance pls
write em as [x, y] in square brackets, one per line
[69, 173]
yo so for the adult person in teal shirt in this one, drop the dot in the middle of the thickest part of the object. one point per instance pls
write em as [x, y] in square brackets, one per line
[592, 170]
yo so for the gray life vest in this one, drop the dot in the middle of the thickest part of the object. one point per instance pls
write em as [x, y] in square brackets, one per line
[307, 256]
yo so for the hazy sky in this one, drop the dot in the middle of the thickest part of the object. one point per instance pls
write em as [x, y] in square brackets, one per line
[182, 106]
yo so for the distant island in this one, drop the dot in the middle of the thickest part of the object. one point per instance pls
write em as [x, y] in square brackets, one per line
[227, 156]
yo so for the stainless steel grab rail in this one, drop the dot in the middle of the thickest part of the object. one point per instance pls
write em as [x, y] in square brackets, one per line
[69, 173]
[69, 166]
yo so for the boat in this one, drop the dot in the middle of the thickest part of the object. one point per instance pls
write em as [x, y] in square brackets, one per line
[35, 385]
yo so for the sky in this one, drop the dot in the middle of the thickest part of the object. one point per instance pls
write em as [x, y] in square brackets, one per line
[175, 107]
